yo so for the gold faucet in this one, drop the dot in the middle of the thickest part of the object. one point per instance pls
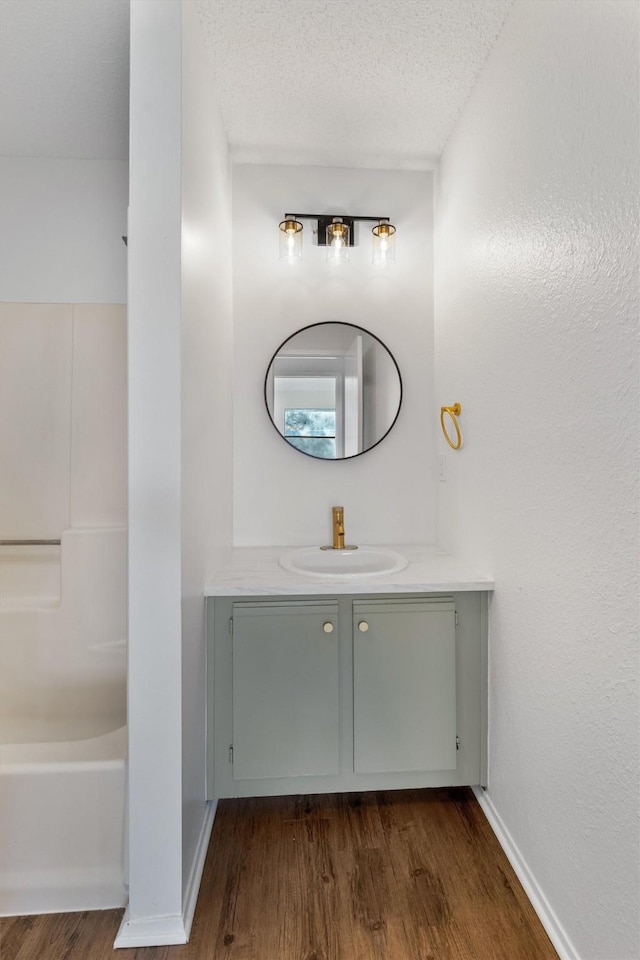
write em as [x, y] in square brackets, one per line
[338, 531]
[338, 528]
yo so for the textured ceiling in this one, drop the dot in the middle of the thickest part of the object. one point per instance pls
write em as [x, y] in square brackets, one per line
[377, 83]
[64, 78]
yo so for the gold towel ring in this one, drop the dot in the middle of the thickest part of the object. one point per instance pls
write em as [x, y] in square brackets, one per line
[454, 412]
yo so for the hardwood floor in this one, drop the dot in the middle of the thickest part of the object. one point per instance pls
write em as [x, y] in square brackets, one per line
[411, 875]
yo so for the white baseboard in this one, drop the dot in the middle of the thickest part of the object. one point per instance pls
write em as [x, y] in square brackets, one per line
[150, 931]
[175, 929]
[548, 919]
[197, 866]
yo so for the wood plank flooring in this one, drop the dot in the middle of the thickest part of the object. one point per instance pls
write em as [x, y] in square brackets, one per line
[411, 875]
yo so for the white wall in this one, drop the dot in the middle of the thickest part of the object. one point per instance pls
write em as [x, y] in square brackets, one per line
[206, 403]
[180, 454]
[536, 336]
[61, 227]
[155, 633]
[281, 495]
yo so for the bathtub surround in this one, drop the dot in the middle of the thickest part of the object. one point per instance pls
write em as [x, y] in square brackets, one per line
[63, 413]
[63, 656]
[536, 313]
[36, 353]
[62, 733]
[62, 607]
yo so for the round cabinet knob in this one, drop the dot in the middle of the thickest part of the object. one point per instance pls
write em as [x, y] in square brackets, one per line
[327, 627]
[363, 626]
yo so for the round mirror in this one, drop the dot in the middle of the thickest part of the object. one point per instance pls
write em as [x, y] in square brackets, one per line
[333, 390]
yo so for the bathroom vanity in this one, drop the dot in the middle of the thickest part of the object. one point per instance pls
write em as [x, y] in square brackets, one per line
[328, 684]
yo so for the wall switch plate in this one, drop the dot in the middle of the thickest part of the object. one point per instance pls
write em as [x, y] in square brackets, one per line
[442, 466]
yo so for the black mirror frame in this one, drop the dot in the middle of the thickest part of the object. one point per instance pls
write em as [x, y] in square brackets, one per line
[324, 323]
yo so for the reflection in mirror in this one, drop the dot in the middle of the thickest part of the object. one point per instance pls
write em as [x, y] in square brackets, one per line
[333, 390]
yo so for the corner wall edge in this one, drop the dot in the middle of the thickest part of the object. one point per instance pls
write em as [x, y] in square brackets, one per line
[197, 866]
[554, 929]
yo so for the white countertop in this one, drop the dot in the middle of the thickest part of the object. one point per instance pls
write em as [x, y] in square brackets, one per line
[254, 571]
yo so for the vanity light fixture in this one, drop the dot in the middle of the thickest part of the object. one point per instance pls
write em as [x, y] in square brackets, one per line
[336, 232]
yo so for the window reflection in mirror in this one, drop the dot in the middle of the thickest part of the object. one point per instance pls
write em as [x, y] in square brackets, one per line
[333, 390]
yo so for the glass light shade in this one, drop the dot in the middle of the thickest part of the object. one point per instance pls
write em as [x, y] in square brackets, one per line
[383, 251]
[291, 241]
[337, 243]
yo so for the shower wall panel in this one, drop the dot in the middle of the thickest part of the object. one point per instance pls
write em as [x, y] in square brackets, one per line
[62, 418]
[35, 419]
[99, 416]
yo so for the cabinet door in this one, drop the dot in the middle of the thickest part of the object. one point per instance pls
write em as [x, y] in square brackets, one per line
[404, 685]
[285, 689]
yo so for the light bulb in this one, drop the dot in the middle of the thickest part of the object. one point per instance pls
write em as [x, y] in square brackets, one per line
[337, 237]
[383, 246]
[291, 241]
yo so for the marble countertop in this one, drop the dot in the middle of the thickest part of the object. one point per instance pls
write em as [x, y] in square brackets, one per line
[254, 571]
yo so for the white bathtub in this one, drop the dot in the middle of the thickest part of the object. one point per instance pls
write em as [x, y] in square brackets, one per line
[62, 727]
[62, 814]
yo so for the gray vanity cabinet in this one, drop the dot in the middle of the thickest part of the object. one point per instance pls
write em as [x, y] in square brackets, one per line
[321, 694]
[285, 689]
[404, 685]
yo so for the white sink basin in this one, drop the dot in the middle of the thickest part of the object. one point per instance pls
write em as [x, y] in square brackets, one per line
[363, 562]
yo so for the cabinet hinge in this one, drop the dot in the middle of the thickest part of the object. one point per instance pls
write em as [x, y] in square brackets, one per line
[230, 753]
[457, 743]
[456, 616]
[231, 625]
